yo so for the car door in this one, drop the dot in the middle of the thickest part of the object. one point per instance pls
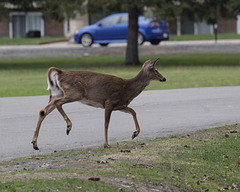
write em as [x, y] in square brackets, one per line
[107, 29]
[122, 27]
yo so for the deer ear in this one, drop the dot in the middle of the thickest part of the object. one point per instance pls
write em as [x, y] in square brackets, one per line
[155, 61]
[151, 65]
[147, 63]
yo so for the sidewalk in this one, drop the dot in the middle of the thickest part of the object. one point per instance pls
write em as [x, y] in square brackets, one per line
[163, 43]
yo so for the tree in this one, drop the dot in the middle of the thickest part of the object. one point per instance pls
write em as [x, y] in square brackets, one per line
[197, 10]
[57, 10]
[134, 8]
[132, 45]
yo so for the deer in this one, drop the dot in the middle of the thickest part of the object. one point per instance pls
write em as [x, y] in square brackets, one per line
[97, 90]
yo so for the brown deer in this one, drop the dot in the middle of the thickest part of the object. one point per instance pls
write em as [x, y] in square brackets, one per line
[97, 90]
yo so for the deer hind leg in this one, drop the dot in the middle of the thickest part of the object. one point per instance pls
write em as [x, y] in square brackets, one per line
[42, 114]
[131, 111]
[108, 112]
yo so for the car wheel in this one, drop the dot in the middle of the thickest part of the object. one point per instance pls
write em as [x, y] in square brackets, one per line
[155, 42]
[86, 40]
[104, 44]
[140, 39]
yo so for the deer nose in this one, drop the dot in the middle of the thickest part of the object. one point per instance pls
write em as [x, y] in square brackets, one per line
[163, 79]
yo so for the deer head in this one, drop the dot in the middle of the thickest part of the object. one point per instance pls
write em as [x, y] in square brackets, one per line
[150, 70]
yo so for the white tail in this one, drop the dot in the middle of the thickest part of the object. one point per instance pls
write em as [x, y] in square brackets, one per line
[97, 90]
[53, 83]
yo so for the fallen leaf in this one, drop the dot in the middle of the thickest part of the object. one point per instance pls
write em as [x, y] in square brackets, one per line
[235, 186]
[225, 157]
[102, 162]
[125, 151]
[226, 135]
[30, 157]
[94, 178]
[226, 187]
[233, 131]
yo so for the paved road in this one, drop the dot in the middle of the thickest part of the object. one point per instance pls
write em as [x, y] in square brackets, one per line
[160, 113]
[166, 47]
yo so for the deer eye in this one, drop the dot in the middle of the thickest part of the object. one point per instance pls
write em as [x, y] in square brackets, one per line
[156, 70]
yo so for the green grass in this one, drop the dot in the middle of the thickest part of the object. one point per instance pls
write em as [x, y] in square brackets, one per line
[203, 37]
[203, 161]
[34, 41]
[60, 185]
[29, 41]
[195, 163]
[27, 77]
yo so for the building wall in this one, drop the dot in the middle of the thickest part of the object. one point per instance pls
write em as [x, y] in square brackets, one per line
[187, 27]
[78, 22]
[53, 28]
[202, 28]
[238, 24]
[4, 28]
[227, 26]
[224, 26]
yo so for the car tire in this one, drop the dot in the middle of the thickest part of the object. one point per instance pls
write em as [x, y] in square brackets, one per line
[104, 44]
[155, 42]
[86, 40]
[140, 39]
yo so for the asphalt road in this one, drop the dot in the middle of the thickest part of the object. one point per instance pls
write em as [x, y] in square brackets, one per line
[160, 113]
[75, 50]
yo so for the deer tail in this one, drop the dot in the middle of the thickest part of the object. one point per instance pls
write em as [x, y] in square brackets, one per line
[53, 82]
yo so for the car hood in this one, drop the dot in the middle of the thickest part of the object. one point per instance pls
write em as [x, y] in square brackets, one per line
[87, 28]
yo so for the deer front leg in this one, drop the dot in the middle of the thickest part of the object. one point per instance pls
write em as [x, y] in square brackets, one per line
[108, 112]
[131, 111]
[58, 103]
[42, 114]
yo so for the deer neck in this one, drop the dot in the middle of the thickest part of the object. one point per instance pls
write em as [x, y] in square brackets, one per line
[137, 84]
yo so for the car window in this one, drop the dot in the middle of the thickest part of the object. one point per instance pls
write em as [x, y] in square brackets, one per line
[124, 19]
[110, 21]
[145, 18]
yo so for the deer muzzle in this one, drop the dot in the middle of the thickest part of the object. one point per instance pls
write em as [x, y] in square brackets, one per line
[163, 79]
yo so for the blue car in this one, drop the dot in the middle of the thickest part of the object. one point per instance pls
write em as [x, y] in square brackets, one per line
[114, 29]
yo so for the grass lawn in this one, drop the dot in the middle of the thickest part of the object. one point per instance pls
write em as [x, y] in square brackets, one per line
[203, 37]
[207, 160]
[29, 41]
[27, 77]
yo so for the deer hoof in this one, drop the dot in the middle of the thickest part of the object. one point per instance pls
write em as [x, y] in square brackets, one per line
[68, 131]
[35, 145]
[135, 134]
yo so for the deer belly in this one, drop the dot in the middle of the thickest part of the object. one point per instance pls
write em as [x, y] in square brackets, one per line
[91, 103]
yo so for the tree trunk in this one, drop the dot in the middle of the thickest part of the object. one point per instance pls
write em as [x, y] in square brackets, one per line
[132, 45]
